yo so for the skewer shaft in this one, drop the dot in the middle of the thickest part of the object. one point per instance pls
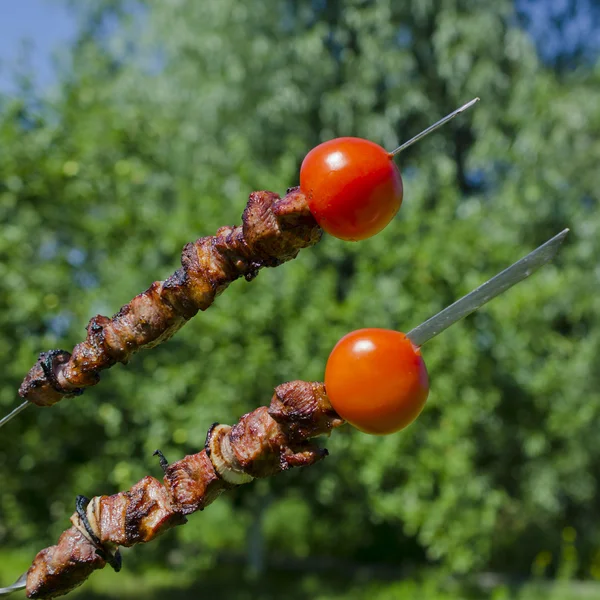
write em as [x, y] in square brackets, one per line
[14, 413]
[434, 126]
[490, 289]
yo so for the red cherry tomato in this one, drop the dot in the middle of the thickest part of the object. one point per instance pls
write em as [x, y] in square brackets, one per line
[376, 380]
[353, 187]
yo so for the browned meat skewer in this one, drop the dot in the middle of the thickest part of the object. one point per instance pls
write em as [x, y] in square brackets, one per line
[274, 230]
[263, 443]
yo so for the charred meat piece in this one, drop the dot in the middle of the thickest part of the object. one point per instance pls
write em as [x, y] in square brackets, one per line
[274, 230]
[60, 569]
[264, 442]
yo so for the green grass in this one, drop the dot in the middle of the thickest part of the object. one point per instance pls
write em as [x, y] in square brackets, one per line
[231, 582]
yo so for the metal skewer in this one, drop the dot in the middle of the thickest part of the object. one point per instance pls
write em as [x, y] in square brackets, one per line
[14, 413]
[486, 292]
[434, 126]
[15, 587]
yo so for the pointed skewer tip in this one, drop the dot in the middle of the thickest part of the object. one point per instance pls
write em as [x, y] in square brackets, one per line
[433, 127]
[558, 239]
[469, 104]
[15, 587]
[14, 413]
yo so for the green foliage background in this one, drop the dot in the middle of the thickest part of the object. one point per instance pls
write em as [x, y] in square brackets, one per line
[166, 117]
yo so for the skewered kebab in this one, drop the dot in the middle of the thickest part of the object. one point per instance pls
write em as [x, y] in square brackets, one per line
[265, 441]
[350, 188]
[274, 230]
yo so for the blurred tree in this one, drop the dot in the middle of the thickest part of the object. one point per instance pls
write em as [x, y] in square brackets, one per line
[167, 116]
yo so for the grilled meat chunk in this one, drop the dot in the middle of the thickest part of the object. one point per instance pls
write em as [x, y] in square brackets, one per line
[274, 230]
[264, 442]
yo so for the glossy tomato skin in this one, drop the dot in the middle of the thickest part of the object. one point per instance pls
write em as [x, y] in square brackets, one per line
[353, 187]
[376, 380]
